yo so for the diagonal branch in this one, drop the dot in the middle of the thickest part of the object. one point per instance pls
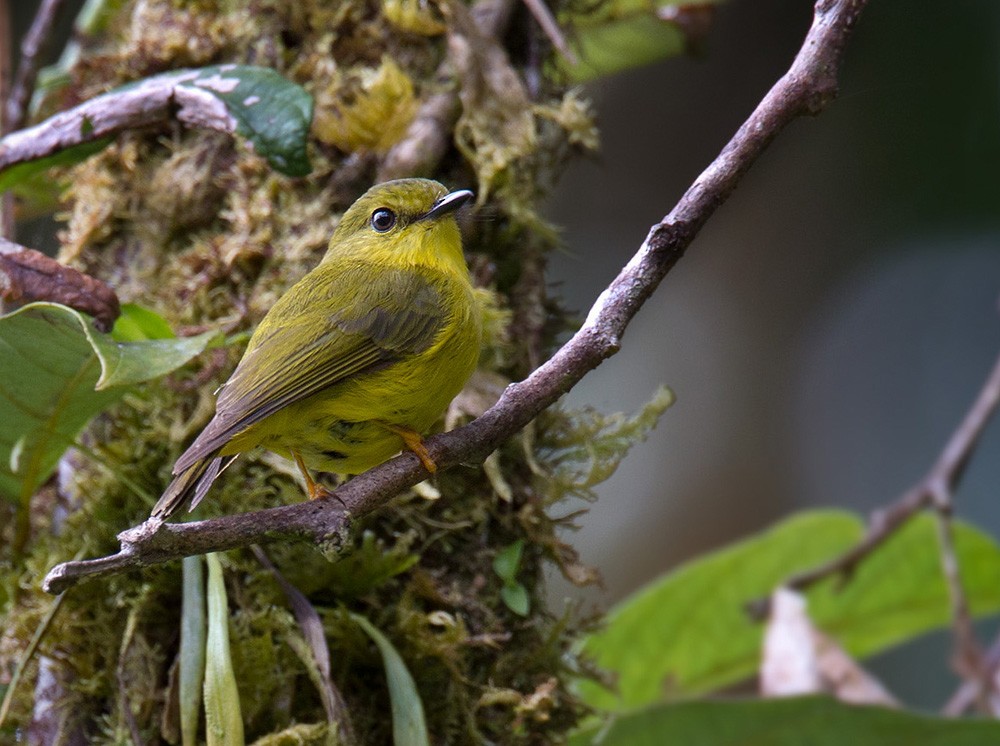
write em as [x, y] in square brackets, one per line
[808, 86]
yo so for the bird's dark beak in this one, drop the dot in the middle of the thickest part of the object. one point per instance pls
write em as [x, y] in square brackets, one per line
[448, 203]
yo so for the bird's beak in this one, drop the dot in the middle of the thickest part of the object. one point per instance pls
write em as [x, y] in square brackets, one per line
[448, 203]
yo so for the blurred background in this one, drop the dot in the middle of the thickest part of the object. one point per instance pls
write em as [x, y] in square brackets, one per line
[829, 327]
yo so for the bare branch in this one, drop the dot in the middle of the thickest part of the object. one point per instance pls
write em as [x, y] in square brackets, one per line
[805, 89]
[32, 48]
[148, 102]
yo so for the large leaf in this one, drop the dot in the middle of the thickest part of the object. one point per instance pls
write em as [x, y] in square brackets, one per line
[687, 633]
[56, 372]
[816, 721]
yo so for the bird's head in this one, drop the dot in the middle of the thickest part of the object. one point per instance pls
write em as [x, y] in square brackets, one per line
[407, 221]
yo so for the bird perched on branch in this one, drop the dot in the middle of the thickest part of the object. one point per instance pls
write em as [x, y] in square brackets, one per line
[359, 358]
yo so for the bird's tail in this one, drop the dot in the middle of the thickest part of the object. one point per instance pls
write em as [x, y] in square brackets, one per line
[192, 483]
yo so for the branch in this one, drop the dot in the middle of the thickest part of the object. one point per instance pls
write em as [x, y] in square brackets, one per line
[27, 276]
[151, 101]
[806, 88]
[32, 48]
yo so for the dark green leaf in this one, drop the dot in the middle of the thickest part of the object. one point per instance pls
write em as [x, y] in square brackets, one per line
[812, 721]
[270, 111]
[192, 648]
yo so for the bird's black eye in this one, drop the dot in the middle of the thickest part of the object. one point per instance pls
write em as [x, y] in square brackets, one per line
[383, 219]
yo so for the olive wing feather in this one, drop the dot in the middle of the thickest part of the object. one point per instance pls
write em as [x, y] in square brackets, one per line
[300, 348]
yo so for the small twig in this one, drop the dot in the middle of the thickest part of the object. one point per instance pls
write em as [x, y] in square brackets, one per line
[942, 479]
[35, 43]
[6, 61]
[27, 276]
[548, 24]
[971, 691]
[968, 656]
[808, 86]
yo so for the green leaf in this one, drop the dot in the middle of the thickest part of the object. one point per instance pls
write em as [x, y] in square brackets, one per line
[137, 324]
[56, 372]
[223, 719]
[24, 173]
[816, 721]
[270, 111]
[507, 561]
[408, 726]
[515, 597]
[622, 34]
[687, 633]
[192, 648]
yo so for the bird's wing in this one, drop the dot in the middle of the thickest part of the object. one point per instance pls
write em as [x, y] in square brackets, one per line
[302, 347]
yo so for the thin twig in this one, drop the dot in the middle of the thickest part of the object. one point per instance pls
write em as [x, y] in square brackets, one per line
[548, 24]
[970, 692]
[935, 490]
[26, 656]
[808, 86]
[35, 44]
[968, 655]
[6, 61]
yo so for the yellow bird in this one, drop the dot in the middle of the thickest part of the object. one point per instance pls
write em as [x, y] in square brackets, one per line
[359, 358]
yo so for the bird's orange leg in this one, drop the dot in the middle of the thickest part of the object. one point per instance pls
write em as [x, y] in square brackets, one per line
[415, 443]
[315, 490]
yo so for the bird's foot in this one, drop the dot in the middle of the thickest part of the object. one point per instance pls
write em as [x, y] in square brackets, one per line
[415, 443]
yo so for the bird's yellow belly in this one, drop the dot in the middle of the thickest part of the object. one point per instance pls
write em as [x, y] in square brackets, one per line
[344, 428]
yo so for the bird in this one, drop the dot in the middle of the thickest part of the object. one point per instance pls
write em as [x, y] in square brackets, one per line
[357, 360]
